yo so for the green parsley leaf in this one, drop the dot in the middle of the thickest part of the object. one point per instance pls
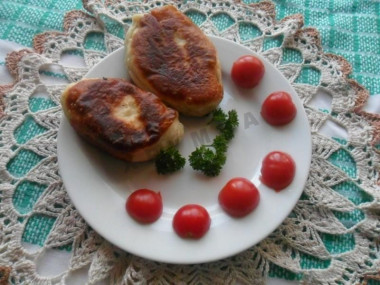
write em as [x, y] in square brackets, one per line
[230, 125]
[207, 161]
[169, 161]
[210, 159]
[220, 143]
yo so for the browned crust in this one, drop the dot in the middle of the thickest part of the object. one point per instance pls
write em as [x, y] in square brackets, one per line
[187, 74]
[89, 105]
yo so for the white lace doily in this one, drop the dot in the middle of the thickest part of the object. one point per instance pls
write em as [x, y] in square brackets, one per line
[300, 234]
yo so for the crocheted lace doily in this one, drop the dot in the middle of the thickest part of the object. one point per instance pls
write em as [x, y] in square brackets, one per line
[316, 216]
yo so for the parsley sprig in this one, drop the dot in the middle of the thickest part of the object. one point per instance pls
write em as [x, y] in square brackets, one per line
[209, 159]
[225, 123]
[169, 160]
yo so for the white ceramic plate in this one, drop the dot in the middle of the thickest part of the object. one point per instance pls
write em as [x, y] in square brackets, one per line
[99, 184]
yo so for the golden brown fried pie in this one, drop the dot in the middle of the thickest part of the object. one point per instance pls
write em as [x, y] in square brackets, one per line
[120, 118]
[167, 54]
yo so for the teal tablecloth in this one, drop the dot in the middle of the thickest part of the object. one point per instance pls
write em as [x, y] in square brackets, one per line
[350, 28]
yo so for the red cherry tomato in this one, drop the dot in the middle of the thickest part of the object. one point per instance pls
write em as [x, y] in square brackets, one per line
[239, 197]
[278, 109]
[277, 170]
[144, 205]
[191, 221]
[247, 71]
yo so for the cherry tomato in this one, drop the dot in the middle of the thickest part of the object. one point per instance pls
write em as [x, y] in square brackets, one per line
[144, 205]
[247, 71]
[239, 197]
[278, 109]
[277, 170]
[191, 221]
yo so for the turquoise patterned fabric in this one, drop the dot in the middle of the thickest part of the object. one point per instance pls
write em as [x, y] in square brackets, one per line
[350, 28]
[347, 28]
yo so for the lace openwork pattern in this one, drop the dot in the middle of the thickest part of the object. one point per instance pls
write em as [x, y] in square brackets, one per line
[321, 219]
